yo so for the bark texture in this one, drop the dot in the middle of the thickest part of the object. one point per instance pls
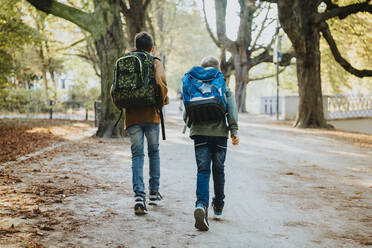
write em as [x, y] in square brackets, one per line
[109, 47]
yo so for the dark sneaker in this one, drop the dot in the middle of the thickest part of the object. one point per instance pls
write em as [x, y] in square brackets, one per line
[201, 218]
[140, 206]
[155, 199]
[217, 211]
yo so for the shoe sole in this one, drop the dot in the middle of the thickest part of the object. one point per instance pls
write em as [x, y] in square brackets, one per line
[217, 216]
[156, 203]
[140, 212]
[153, 203]
[200, 222]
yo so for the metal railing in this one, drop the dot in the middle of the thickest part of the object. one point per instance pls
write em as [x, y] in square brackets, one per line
[69, 110]
[349, 106]
[268, 105]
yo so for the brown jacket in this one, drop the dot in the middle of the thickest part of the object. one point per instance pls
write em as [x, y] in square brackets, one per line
[149, 114]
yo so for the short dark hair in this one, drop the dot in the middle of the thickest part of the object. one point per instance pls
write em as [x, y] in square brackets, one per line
[143, 41]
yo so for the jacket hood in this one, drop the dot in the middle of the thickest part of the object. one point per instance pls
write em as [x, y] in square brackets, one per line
[203, 73]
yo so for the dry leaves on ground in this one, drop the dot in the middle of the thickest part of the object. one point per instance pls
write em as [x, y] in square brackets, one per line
[24, 136]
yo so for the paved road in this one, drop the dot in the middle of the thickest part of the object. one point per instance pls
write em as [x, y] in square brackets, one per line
[284, 188]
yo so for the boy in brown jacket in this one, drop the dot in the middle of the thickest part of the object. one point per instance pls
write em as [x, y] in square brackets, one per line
[144, 121]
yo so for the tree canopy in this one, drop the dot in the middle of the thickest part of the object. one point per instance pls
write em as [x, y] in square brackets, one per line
[14, 34]
[326, 36]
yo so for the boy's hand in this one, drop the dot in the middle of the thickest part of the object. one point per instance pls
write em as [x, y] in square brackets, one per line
[235, 140]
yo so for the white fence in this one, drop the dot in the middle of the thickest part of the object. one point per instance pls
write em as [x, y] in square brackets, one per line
[349, 106]
[334, 107]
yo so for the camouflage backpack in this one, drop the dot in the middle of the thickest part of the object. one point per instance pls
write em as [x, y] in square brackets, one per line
[134, 81]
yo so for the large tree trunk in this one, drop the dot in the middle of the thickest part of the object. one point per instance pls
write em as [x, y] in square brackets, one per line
[310, 109]
[304, 35]
[109, 47]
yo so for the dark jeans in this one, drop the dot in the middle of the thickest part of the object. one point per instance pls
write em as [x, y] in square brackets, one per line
[209, 149]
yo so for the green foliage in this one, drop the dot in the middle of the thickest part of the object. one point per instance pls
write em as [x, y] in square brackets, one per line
[21, 100]
[353, 36]
[84, 95]
[5, 68]
[14, 34]
[288, 80]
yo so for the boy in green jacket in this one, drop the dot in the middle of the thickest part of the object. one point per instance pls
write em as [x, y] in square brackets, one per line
[210, 142]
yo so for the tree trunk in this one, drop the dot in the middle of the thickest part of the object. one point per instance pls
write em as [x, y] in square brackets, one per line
[304, 35]
[241, 94]
[109, 47]
[225, 67]
[55, 86]
[44, 70]
[46, 87]
[241, 80]
[136, 20]
[310, 109]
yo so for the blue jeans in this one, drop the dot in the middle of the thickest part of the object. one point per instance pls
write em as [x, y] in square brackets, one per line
[210, 149]
[136, 134]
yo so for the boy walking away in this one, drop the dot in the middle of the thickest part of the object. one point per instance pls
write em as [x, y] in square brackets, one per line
[140, 87]
[208, 106]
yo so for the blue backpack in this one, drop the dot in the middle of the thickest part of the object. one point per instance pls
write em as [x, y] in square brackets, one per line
[204, 94]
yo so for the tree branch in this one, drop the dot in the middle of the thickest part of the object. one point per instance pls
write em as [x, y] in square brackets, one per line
[220, 6]
[343, 12]
[78, 17]
[88, 60]
[266, 57]
[267, 76]
[71, 45]
[262, 26]
[338, 57]
[226, 65]
[259, 10]
[218, 44]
